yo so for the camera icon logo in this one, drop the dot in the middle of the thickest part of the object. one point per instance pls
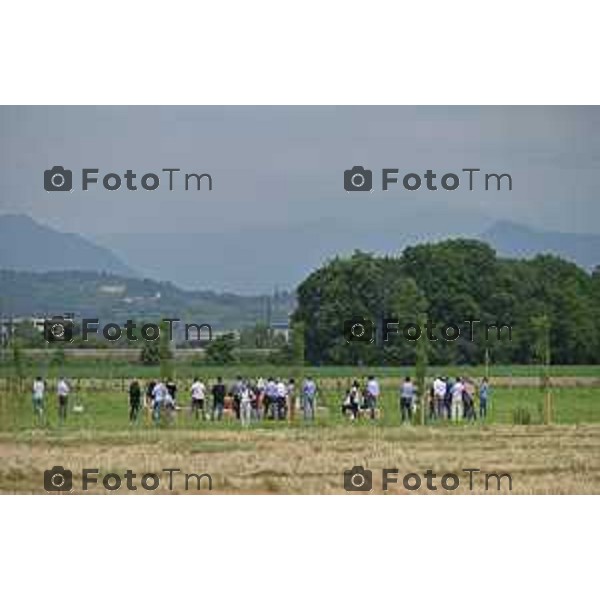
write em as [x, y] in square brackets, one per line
[358, 479]
[58, 179]
[358, 179]
[58, 329]
[58, 479]
[358, 329]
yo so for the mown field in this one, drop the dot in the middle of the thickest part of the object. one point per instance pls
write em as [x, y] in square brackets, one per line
[539, 459]
[294, 457]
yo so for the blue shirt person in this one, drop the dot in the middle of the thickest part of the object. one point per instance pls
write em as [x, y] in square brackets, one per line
[484, 396]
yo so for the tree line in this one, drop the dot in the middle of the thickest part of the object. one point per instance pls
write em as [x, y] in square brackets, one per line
[451, 282]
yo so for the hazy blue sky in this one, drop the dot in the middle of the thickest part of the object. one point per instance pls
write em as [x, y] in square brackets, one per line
[282, 166]
[278, 208]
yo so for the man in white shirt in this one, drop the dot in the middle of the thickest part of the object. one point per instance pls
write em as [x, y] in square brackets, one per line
[372, 394]
[407, 393]
[198, 392]
[246, 398]
[439, 394]
[457, 400]
[39, 388]
[62, 391]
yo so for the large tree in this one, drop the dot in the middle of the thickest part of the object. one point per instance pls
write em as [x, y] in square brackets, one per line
[453, 281]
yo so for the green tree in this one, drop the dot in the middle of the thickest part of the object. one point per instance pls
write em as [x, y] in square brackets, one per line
[165, 353]
[59, 358]
[150, 354]
[221, 350]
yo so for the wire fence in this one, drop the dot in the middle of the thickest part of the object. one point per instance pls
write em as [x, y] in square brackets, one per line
[337, 384]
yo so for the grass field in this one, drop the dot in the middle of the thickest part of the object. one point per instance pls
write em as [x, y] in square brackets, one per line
[109, 369]
[295, 457]
[107, 410]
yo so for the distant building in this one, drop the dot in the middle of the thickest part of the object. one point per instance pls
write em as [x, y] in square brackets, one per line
[113, 290]
[282, 327]
[8, 324]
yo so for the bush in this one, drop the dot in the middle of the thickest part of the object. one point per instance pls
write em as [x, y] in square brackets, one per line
[150, 354]
[220, 351]
[521, 416]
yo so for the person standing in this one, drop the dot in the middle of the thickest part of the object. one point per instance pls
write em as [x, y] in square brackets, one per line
[457, 400]
[448, 397]
[270, 398]
[236, 392]
[198, 393]
[172, 389]
[246, 405]
[135, 401]
[218, 394]
[256, 394]
[150, 393]
[484, 395]
[291, 398]
[309, 393]
[39, 389]
[149, 401]
[469, 400]
[407, 394]
[372, 395]
[160, 396]
[281, 399]
[62, 391]
[439, 395]
[351, 402]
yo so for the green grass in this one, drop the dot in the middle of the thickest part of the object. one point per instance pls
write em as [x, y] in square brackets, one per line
[113, 369]
[107, 411]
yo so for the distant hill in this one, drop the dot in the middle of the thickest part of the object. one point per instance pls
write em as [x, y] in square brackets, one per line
[112, 298]
[28, 246]
[519, 241]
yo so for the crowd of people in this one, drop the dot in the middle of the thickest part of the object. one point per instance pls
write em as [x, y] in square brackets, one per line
[448, 399]
[248, 400]
[251, 400]
[455, 399]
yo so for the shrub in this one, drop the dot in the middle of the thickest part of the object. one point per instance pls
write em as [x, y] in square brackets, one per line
[150, 354]
[521, 416]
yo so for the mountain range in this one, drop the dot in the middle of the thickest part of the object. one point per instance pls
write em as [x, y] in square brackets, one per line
[25, 245]
[254, 261]
[517, 241]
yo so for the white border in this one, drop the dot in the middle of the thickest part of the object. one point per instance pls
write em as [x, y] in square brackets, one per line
[310, 52]
[299, 547]
[317, 53]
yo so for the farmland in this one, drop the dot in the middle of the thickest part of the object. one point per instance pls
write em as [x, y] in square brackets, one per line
[295, 457]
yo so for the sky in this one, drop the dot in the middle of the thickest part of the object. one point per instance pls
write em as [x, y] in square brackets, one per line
[279, 170]
[277, 165]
